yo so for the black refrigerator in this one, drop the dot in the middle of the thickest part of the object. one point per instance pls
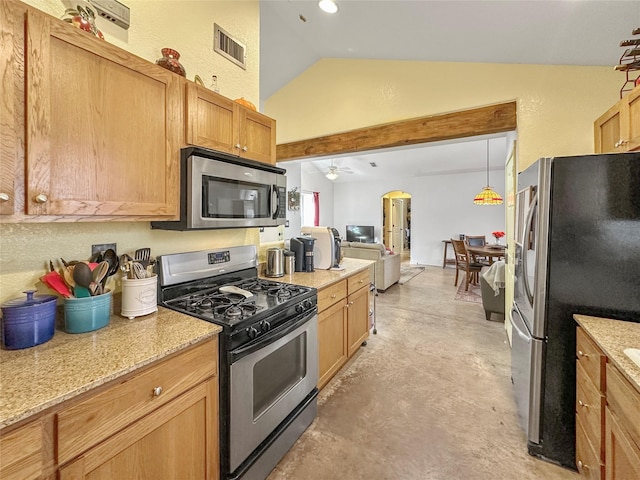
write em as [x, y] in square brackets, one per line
[577, 251]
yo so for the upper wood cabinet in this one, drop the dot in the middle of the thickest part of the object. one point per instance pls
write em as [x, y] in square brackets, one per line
[218, 123]
[618, 129]
[88, 131]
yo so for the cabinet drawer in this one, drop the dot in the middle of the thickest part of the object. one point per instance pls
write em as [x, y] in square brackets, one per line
[357, 281]
[331, 294]
[591, 359]
[586, 458]
[624, 402]
[590, 410]
[21, 453]
[89, 422]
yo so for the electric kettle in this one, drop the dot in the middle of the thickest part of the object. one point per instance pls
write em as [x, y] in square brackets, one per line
[275, 262]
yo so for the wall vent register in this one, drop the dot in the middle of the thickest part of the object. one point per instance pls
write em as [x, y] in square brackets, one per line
[229, 47]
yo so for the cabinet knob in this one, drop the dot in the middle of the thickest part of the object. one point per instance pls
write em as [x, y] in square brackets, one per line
[582, 354]
[582, 404]
[361, 281]
[350, 303]
[244, 149]
[157, 391]
[333, 296]
[238, 146]
[4, 197]
[41, 198]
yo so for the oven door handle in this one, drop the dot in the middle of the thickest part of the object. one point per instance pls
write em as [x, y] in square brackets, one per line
[271, 336]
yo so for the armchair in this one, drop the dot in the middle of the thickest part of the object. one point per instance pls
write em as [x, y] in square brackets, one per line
[387, 267]
[492, 289]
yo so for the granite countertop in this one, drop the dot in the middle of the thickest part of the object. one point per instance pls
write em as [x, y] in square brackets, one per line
[36, 378]
[323, 278]
[613, 337]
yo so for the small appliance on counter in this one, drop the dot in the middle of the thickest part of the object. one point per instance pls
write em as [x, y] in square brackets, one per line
[309, 249]
[327, 246]
[297, 247]
[275, 262]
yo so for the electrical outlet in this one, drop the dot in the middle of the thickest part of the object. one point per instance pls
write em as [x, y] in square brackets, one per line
[103, 247]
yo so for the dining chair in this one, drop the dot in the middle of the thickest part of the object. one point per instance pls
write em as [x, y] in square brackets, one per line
[477, 241]
[464, 262]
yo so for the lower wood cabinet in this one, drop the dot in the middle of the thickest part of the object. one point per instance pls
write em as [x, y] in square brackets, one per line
[343, 323]
[160, 421]
[172, 442]
[607, 417]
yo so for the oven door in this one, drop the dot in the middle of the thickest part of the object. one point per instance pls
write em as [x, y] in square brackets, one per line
[230, 195]
[269, 379]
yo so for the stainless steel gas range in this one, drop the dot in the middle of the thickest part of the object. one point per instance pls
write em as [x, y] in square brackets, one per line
[268, 352]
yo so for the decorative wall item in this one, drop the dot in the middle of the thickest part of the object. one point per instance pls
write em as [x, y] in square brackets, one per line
[170, 61]
[246, 103]
[83, 18]
[294, 199]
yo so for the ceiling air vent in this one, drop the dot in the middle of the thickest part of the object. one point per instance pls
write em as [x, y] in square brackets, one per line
[373, 164]
[229, 47]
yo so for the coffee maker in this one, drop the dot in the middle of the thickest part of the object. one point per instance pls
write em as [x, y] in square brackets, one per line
[308, 243]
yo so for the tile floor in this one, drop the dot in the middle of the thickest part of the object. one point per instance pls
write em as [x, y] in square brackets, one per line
[429, 398]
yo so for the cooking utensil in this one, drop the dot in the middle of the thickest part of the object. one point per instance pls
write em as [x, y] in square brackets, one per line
[83, 277]
[99, 273]
[125, 263]
[142, 255]
[138, 270]
[55, 282]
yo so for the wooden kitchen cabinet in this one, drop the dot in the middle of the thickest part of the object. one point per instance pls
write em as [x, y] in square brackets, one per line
[160, 421]
[343, 323]
[590, 407]
[332, 341]
[21, 453]
[607, 416]
[219, 123]
[102, 127]
[618, 129]
[175, 441]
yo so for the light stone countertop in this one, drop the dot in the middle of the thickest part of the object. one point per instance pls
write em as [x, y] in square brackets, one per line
[613, 337]
[36, 378]
[322, 278]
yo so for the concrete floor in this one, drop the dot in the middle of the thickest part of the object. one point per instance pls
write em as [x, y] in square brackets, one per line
[429, 397]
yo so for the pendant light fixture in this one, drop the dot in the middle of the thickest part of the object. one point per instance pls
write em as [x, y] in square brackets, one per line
[488, 196]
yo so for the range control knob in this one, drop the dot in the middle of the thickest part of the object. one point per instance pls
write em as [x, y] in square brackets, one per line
[265, 326]
[299, 308]
[308, 303]
[252, 332]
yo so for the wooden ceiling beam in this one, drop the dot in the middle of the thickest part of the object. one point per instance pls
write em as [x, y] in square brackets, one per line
[466, 123]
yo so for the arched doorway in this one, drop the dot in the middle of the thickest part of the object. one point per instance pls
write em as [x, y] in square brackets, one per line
[396, 222]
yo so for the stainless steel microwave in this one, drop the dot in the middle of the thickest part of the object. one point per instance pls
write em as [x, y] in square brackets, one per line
[222, 191]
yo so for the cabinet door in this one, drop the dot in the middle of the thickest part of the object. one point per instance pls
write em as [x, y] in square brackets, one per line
[257, 136]
[623, 456]
[104, 127]
[11, 111]
[607, 131]
[633, 120]
[357, 319]
[178, 440]
[332, 341]
[212, 120]
[21, 453]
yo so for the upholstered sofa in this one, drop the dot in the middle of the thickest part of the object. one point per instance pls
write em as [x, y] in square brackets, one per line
[492, 289]
[387, 267]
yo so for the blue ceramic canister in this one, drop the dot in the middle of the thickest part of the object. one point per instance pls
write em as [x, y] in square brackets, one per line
[28, 322]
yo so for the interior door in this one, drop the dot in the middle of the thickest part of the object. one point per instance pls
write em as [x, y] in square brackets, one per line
[397, 222]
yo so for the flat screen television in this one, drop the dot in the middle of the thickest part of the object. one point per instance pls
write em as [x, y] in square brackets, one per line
[360, 233]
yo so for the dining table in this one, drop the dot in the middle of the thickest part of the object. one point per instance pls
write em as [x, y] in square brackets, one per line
[492, 252]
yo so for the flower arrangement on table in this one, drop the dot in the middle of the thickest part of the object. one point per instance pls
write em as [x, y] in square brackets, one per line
[498, 235]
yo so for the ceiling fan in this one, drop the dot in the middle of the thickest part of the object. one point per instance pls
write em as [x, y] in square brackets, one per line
[333, 170]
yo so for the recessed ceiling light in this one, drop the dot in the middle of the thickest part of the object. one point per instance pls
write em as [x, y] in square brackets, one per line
[328, 6]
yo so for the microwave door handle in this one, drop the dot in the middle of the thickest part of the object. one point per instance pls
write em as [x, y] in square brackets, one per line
[275, 202]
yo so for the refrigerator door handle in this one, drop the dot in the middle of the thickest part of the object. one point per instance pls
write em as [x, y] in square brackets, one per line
[516, 327]
[525, 247]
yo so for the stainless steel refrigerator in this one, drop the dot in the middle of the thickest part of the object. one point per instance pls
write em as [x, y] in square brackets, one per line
[577, 251]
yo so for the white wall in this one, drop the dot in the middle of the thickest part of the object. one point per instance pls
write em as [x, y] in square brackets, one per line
[441, 207]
